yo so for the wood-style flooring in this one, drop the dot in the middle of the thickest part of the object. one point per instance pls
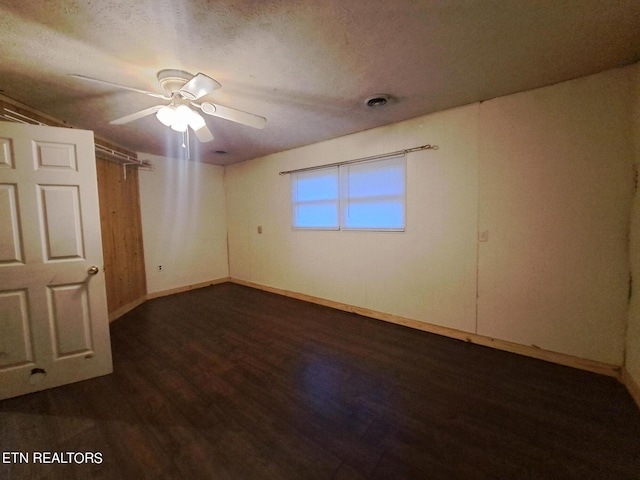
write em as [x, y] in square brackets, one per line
[227, 382]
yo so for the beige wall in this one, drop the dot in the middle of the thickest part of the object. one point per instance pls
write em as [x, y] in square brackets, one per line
[556, 182]
[426, 273]
[183, 223]
[633, 331]
[546, 172]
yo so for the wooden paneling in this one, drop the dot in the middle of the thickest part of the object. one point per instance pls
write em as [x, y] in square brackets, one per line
[121, 235]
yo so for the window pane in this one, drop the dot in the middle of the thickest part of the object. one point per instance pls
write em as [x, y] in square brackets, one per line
[316, 215]
[375, 178]
[373, 194]
[317, 185]
[380, 215]
[314, 199]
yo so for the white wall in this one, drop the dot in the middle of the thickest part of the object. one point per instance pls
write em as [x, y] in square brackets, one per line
[183, 222]
[633, 332]
[546, 172]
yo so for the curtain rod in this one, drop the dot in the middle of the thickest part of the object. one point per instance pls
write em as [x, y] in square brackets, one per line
[364, 159]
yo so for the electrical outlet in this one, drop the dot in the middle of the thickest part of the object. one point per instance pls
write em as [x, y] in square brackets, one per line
[159, 268]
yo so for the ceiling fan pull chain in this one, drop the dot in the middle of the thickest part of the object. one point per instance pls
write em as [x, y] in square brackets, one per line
[185, 143]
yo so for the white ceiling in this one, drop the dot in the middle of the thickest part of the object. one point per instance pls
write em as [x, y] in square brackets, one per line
[305, 65]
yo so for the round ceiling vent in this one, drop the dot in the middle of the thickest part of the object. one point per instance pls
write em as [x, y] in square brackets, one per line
[378, 100]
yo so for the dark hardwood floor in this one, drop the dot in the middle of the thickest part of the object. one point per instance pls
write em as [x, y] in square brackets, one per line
[228, 382]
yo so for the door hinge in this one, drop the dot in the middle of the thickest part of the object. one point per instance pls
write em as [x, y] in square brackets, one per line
[630, 287]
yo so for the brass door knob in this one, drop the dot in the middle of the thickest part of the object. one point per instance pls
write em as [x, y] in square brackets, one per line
[93, 270]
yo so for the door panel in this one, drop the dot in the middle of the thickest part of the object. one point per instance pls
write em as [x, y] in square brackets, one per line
[16, 345]
[6, 158]
[61, 223]
[10, 243]
[69, 319]
[55, 156]
[53, 313]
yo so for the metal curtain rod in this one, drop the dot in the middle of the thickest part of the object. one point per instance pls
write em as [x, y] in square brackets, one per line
[364, 159]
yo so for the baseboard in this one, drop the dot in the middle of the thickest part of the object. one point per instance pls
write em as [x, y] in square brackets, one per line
[126, 308]
[631, 384]
[554, 357]
[131, 305]
[186, 288]
[528, 351]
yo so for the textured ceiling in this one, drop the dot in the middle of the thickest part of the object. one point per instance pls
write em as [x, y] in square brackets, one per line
[305, 65]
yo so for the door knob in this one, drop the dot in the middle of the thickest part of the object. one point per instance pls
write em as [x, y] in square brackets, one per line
[93, 270]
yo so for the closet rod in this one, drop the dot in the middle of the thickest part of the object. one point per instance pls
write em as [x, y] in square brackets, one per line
[102, 151]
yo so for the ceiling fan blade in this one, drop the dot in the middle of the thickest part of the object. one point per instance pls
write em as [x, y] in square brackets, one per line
[232, 114]
[135, 116]
[203, 134]
[111, 84]
[199, 86]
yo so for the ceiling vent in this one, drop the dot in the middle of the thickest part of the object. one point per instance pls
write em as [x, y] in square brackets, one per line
[379, 100]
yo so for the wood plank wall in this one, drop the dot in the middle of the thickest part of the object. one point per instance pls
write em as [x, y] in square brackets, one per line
[120, 219]
[121, 235]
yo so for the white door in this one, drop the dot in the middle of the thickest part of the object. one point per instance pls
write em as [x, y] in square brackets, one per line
[54, 327]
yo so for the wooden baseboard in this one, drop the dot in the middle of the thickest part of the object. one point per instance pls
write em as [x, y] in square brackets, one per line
[560, 358]
[126, 308]
[546, 355]
[631, 384]
[130, 306]
[186, 288]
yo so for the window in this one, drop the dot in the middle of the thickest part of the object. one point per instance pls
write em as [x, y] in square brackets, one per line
[357, 196]
[315, 199]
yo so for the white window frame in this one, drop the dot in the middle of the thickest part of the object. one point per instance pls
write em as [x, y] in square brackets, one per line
[343, 200]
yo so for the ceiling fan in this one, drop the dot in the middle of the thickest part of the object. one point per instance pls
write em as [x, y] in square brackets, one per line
[181, 90]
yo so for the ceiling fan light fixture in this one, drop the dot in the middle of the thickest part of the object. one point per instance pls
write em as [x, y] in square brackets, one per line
[183, 114]
[166, 115]
[179, 126]
[181, 117]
